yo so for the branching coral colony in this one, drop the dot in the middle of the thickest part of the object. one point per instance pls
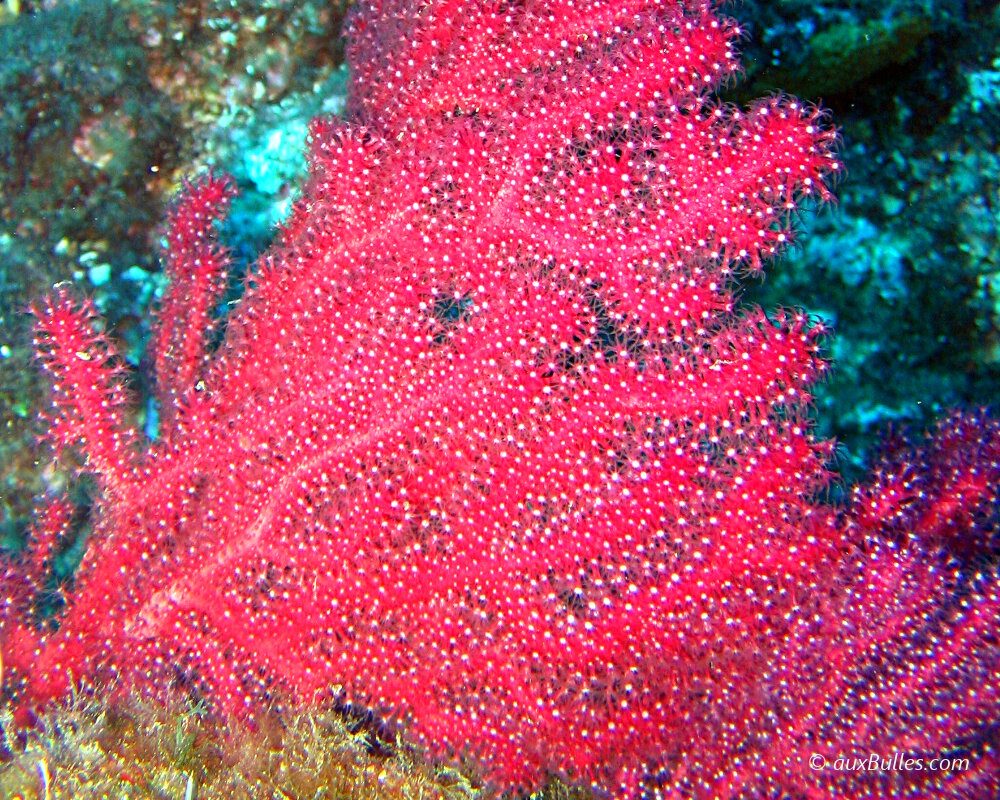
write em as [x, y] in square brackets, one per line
[486, 448]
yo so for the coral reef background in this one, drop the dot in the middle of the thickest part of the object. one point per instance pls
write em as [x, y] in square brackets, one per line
[107, 107]
[906, 267]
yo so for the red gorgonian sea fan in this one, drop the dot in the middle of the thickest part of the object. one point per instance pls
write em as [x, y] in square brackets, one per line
[486, 448]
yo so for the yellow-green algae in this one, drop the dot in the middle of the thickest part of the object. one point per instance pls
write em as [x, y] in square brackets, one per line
[87, 749]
